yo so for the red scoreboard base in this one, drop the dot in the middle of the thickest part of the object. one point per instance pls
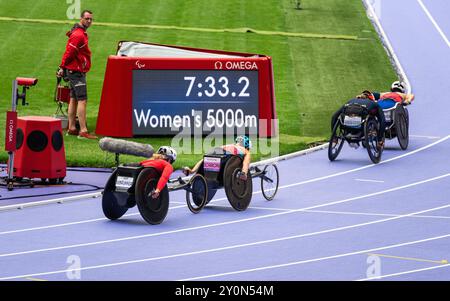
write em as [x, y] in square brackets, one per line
[40, 148]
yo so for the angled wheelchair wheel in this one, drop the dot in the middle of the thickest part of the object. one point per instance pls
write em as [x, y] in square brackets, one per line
[401, 127]
[336, 142]
[371, 129]
[269, 181]
[153, 211]
[113, 203]
[197, 193]
[239, 192]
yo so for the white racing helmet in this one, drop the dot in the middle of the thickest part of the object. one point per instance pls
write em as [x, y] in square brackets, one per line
[398, 86]
[169, 152]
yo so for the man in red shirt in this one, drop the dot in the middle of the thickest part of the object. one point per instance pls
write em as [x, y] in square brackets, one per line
[75, 63]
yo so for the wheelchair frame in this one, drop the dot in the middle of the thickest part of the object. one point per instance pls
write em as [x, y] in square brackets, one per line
[353, 132]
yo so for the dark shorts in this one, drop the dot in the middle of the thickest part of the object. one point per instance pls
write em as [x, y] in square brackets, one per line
[77, 83]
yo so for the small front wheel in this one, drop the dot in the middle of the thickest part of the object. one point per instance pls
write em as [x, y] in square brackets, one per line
[371, 139]
[270, 179]
[336, 142]
[198, 189]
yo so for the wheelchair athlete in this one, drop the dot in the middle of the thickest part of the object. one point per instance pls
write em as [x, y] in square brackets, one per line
[241, 147]
[388, 100]
[365, 99]
[161, 161]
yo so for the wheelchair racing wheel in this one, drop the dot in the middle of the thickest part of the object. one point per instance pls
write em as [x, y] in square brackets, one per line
[199, 191]
[371, 129]
[152, 210]
[211, 191]
[269, 181]
[401, 127]
[336, 142]
[239, 192]
[113, 203]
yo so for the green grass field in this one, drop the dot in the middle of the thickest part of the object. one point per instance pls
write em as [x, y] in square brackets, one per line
[313, 75]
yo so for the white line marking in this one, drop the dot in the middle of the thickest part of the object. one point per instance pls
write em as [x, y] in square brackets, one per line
[348, 212]
[366, 180]
[224, 223]
[366, 166]
[423, 136]
[406, 272]
[376, 214]
[254, 244]
[434, 22]
[72, 223]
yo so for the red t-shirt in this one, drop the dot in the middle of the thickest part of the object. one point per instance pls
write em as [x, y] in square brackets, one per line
[163, 167]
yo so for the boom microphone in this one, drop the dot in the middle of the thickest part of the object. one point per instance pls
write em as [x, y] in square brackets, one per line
[119, 146]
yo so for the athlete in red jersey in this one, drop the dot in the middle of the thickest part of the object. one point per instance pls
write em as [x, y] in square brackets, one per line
[398, 94]
[161, 161]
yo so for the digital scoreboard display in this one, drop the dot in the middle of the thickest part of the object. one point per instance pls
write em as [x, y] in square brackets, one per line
[153, 89]
[167, 102]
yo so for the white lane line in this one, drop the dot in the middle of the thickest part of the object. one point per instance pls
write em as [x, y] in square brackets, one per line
[367, 180]
[281, 187]
[406, 272]
[366, 166]
[343, 212]
[376, 214]
[254, 244]
[423, 136]
[89, 220]
[72, 223]
[229, 222]
[434, 22]
[59, 225]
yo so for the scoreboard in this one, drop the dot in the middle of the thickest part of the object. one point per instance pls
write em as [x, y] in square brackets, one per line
[186, 91]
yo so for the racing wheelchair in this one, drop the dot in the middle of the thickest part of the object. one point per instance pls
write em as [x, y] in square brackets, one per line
[397, 124]
[129, 186]
[223, 170]
[355, 125]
